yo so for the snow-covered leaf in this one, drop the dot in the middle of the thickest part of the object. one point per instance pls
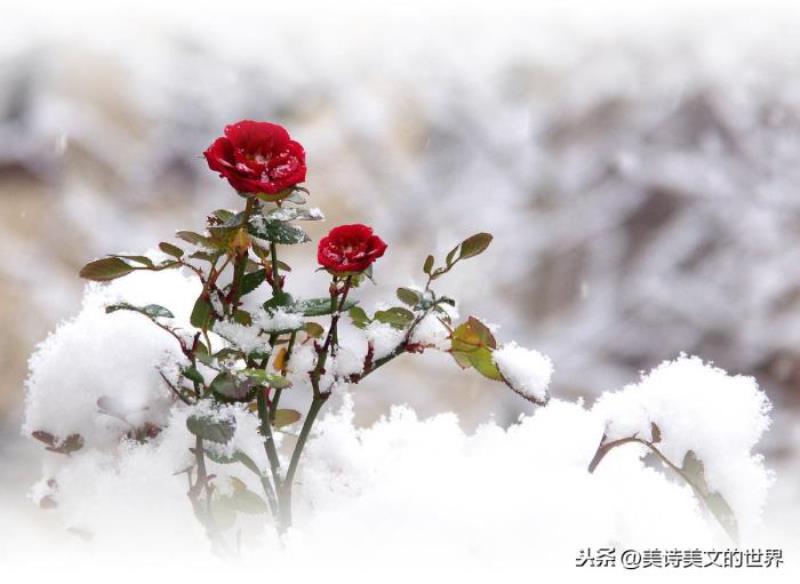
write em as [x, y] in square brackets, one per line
[320, 306]
[210, 428]
[398, 317]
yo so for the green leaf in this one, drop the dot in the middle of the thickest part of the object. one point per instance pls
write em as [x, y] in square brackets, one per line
[237, 456]
[693, 468]
[202, 313]
[428, 265]
[359, 317]
[223, 215]
[223, 513]
[242, 317]
[271, 379]
[170, 249]
[294, 214]
[449, 259]
[409, 296]
[277, 231]
[226, 387]
[139, 259]
[475, 245]
[320, 306]
[252, 281]
[210, 428]
[398, 317]
[192, 374]
[246, 501]
[313, 330]
[106, 269]
[286, 417]
[195, 239]
[206, 256]
[280, 300]
[271, 197]
[156, 310]
[472, 344]
[482, 361]
[296, 197]
[472, 335]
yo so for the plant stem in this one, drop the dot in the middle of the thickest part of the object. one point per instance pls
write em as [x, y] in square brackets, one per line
[604, 449]
[279, 391]
[204, 514]
[269, 440]
[320, 397]
[241, 260]
[285, 492]
[276, 281]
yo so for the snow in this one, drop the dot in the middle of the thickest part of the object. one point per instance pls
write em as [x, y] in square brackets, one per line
[114, 356]
[698, 407]
[383, 337]
[357, 485]
[246, 338]
[362, 478]
[526, 370]
[423, 488]
[432, 333]
[251, 338]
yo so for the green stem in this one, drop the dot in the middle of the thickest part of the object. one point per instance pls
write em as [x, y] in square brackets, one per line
[285, 492]
[269, 441]
[276, 280]
[604, 449]
[279, 391]
[241, 261]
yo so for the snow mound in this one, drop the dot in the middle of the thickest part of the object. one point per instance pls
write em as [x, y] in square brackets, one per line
[110, 356]
[698, 407]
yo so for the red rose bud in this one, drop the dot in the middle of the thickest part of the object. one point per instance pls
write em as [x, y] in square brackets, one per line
[349, 248]
[257, 157]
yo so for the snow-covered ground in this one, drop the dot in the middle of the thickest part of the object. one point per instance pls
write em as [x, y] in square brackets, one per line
[476, 503]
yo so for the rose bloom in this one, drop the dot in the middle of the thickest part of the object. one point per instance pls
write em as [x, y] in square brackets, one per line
[349, 248]
[257, 157]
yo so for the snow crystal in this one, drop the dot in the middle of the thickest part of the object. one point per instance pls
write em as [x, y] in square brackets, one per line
[699, 407]
[527, 371]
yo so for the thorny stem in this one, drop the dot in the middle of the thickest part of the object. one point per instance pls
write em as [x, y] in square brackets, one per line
[604, 449]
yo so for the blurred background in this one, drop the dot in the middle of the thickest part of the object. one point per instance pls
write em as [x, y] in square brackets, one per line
[637, 162]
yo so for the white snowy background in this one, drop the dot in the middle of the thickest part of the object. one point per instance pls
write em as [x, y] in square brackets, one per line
[637, 163]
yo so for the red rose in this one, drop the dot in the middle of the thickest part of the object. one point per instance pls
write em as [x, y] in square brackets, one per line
[350, 248]
[257, 157]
